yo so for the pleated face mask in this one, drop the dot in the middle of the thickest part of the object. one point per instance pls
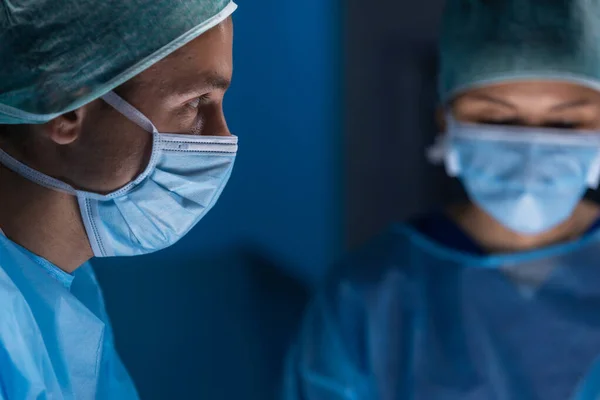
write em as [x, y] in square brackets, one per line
[528, 179]
[183, 180]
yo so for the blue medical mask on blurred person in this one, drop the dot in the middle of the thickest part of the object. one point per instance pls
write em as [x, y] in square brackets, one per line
[183, 180]
[528, 179]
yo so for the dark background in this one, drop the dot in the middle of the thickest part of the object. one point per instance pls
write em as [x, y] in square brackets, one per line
[334, 105]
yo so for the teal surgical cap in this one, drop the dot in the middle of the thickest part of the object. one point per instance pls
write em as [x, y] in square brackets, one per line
[490, 41]
[58, 55]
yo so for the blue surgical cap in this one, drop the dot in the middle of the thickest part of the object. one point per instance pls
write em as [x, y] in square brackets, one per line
[58, 55]
[490, 41]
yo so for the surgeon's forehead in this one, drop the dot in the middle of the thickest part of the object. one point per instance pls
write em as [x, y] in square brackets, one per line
[204, 63]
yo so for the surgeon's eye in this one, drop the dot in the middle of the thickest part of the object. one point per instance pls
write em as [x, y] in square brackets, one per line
[510, 122]
[561, 125]
[199, 101]
[197, 108]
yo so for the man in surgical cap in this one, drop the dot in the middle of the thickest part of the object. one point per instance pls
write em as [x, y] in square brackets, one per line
[113, 142]
[496, 297]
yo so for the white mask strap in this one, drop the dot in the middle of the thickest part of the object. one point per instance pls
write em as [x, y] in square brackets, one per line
[593, 176]
[451, 159]
[443, 153]
[129, 111]
[35, 176]
[452, 163]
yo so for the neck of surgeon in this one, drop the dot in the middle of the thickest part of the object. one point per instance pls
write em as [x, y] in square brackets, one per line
[495, 238]
[43, 221]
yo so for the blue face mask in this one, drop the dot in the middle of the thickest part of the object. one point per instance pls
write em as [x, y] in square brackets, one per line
[183, 180]
[528, 179]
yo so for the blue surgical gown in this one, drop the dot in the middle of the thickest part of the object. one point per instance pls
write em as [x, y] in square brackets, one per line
[55, 338]
[414, 316]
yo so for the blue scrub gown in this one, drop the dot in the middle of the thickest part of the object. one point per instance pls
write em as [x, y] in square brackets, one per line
[423, 313]
[55, 338]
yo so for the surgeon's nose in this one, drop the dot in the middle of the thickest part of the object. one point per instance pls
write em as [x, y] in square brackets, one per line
[217, 125]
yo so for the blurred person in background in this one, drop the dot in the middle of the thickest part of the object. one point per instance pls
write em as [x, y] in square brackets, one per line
[113, 142]
[497, 298]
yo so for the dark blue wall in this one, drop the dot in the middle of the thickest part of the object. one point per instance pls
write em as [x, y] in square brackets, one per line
[211, 317]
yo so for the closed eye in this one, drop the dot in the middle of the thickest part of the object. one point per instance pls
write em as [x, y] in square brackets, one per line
[516, 122]
[561, 125]
[197, 102]
[510, 122]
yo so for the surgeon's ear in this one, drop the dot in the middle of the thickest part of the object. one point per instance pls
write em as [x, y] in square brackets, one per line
[66, 128]
[440, 119]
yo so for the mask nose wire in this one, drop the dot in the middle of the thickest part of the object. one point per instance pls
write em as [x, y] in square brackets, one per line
[129, 111]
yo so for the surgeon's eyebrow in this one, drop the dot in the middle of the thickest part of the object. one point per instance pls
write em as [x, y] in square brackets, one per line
[198, 85]
[216, 81]
[571, 104]
[494, 100]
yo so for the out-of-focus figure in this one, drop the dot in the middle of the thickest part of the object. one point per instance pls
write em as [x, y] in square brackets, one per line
[498, 298]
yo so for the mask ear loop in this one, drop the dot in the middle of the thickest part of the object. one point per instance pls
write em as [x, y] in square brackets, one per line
[451, 160]
[442, 150]
[135, 116]
[129, 111]
[442, 153]
[452, 164]
[593, 176]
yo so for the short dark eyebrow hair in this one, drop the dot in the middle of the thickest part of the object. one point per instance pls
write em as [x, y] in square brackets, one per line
[491, 99]
[216, 81]
[199, 85]
[558, 107]
[192, 87]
